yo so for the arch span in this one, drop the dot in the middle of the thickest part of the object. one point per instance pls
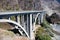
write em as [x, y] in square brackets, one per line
[10, 21]
[35, 21]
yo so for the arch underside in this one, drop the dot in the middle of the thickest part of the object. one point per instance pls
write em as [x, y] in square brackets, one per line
[17, 25]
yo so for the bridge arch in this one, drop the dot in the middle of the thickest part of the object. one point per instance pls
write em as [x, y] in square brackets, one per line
[10, 21]
[41, 19]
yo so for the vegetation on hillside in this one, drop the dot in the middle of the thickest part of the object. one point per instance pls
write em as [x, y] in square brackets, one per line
[8, 5]
[17, 5]
[41, 34]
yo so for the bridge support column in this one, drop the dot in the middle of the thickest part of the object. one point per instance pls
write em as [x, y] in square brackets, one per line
[42, 14]
[22, 20]
[27, 24]
[31, 29]
[39, 19]
[9, 18]
[18, 19]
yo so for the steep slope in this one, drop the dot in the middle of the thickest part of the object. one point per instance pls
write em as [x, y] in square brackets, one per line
[27, 4]
[9, 5]
[8, 35]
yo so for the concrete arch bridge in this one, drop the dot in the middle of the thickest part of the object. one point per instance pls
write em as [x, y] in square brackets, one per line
[24, 21]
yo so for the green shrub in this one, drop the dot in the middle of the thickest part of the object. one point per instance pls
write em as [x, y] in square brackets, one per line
[41, 34]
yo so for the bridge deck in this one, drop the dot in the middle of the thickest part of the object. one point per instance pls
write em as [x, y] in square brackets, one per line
[19, 12]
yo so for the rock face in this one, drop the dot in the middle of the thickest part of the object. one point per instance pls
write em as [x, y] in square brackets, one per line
[8, 35]
[54, 18]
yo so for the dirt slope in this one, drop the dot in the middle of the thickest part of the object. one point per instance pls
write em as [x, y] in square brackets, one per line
[8, 35]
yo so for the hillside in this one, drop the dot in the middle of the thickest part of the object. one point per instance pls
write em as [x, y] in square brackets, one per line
[17, 5]
[8, 35]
